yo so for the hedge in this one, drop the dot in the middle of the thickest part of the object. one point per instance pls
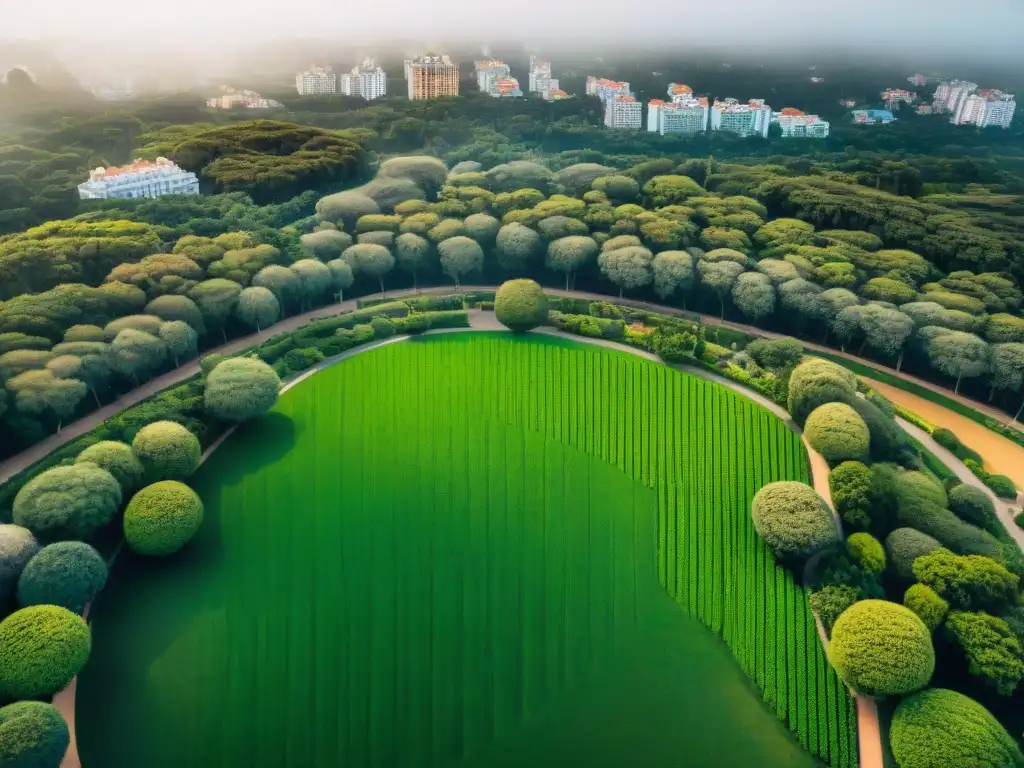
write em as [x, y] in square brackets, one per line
[969, 582]
[32, 735]
[816, 382]
[888, 441]
[830, 601]
[162, 518]
[939, 727]
[68, 502]
[881, 649]
[168, 451]
[793, 520]
[972, 505]
[42, 648]
[850, 486]
[521, 305]
[17, 547]
[868, 551]
[837, 432]
[68, 573]
[903, 546]
[991, 647]
[118, 459]
[929, 606]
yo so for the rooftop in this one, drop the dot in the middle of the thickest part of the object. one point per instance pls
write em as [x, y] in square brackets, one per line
[137, 166]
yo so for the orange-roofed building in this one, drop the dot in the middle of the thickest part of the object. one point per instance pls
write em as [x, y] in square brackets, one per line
[142, 178]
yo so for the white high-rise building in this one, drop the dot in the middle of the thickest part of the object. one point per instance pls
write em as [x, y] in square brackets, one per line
[623, 112]
[489, 72]
[316, 81]
[606, 89]
[986, 108]
[683, 115]
[540, 71]
[366, 80]
[545, 85]
[750, 119]
[432, 76]
[140, 179]
[949, 96]
[796, 125]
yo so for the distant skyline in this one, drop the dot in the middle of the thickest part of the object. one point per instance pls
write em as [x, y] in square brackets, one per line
[989, 28]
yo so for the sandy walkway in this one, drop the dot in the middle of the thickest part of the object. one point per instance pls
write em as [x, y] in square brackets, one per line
[1002, 456]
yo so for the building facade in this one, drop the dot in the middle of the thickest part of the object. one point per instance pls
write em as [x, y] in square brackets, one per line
[316, 81]
[605, 89]
[794, 124]
[896, 96]
[986, 108]
[949, 96]
[488, 73]
[540, 71]
[232, 99]
[750, 119]
[918, 79]
[140, 179]
[544, 86]
[432, 76]
[623, 112]
[686, 116]
[366, 80]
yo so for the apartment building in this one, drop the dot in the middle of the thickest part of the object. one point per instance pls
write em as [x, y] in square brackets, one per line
[606, 89]
[540, 72]
[682, 116]
[316, 81]
[431, 76]
[232, 99]
[488, 73]
[142, 178]
[623, 112]
[893, 97]
[949, 96]
[985, 109]
[796, 125]
[750, 119]
[366, 80]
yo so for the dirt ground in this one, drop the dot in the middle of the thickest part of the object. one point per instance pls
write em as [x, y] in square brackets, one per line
[1001, 456]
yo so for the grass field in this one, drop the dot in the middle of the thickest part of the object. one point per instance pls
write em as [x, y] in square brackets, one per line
[473, 550]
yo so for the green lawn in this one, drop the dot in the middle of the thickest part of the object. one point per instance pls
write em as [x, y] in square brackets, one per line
[473, 550]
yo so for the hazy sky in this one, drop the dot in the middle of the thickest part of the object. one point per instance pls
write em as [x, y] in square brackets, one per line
[961, 26]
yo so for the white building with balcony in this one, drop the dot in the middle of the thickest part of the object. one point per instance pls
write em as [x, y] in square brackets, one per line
[796, 125]
[140, 179]
[985, 109]
[366, 80]
[623, 112]
[949, 96]
[750, 119]
[316, 81]
[540, 71]
[686, 116]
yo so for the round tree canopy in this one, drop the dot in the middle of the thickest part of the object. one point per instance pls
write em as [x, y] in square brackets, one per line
[836, 432]
[521, 305]
[162, 518]
[17, 547]
[882, 649]
[68, 502]
[816, 382]
[793, 520]
[240, 389]
[32, 735]
[904, 546]
[939, 727]
[117, 458]
[167, 450]
[868, 551]
[68, 573]
[42, 648]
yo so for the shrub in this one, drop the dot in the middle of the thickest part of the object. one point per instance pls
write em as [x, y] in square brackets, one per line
[68, 502]
[42, 648]
[240, 389]
[776, 354]
[868, 551]
[117, 458]
[830, 601]
[914, 487]
[888, 441]
[1002, 486]
[972, 505]
[17, 547]
[383, 328]
[882, 649]
[32, 735]
[836, 432]
[939, 727]
[948, 440]
[817, 382]
[929, 607]
[993, 650]
[793, 520]
[850, 486]
[68, 573]
[162, 518]
[167, 450]
[969, 582]
[520, 305]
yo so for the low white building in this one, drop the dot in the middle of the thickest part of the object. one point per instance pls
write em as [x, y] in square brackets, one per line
[142, 178]
[366, 80]
[232, 99]
[316, 81]
[623, 112]
[606, 89]
[686, 116]
[796, 125]
[750, 119]
[540, 72]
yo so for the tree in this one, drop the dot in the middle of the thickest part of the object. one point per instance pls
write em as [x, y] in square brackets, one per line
[412, 253]
[216, 299]
[628, 267]
[816, 382]
[556, 227]
[22, 360]
[182, 342]
[942, 727]
[117, 459]
[345, 208]
[793, 520]
[903, 546]
[994, 652]
[803, 298]
[1008, 370]
[159, 274]
[887, 330]
[850, 486]
[482, 228]
[776, 354]
[33, 735]
[371, 260]
[17, 547]
[445, 229]
[713, 238]
[570, 254]
[70, 502]
[670, 190]
[84, 333]
[326, 244]
[673, 273]
[928, 606]
[41, 392]
[880, 648]
[136, 355]
[618, 189]
[258, 307]
[888, 290]
[838, 433]
[521, 305]
[42, 648]
[167, 451]
[240, 389]
[974, 506]
[754, 295]
[282, 282]
[517, 247]
[955, 353]
[172, 308]
[145, 323]
[829, 602]
[67, 573]
[719, 277]
[162, 518]
[779, 271]
[460, 256]
[314, 281]
[867, 551]
[968, 582]
[781, 232]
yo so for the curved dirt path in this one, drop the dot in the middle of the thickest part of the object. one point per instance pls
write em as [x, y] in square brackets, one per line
[14, 464]
[869, 733]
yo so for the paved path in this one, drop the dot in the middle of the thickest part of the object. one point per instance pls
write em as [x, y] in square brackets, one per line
[32, 454]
